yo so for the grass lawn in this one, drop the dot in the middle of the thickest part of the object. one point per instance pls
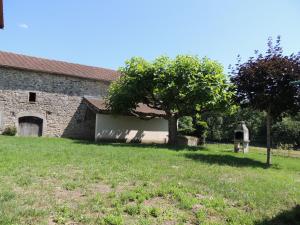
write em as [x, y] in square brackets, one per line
[60, 181]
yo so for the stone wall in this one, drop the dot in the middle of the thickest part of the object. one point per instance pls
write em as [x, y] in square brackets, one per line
[58, 101]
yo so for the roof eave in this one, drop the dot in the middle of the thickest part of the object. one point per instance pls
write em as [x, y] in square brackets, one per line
[53, 73]
[108, 112]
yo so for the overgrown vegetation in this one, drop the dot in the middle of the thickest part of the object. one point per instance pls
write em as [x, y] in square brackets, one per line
[219, 127]
[10, 131]
[287, 133]
[59, 181]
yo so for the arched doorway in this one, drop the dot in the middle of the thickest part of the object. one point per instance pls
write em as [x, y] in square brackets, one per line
[30, 126]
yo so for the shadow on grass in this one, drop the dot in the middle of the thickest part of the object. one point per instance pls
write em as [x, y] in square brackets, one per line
[225, 160]
[139, 145]
[289, 217]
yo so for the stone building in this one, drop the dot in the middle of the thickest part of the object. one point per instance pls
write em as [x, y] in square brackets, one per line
[43, 97]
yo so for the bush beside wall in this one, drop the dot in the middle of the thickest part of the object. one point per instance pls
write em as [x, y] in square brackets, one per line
[10, 131]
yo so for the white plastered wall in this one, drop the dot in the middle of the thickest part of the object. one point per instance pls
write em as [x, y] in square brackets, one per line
[131, 129]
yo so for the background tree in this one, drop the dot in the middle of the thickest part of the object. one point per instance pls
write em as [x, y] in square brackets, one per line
[184, 86]
[264, 83]
[220, 126]
[286, 133]
[186, 126]
[215, 122]
[255, 121]
[193, 126]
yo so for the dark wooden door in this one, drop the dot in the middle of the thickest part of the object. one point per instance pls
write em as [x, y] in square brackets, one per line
[30, 126]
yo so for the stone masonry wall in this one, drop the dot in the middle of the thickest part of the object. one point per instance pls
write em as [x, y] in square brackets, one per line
[58, 102]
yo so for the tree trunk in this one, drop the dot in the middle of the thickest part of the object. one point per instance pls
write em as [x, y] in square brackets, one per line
[268, 139]
[172, 130]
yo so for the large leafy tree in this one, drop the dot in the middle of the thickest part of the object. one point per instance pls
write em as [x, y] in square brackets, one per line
[267, 83]
[184, 86]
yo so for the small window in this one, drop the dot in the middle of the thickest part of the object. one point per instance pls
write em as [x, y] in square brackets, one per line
[32, 97]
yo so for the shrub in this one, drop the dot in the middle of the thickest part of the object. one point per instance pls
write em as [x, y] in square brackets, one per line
[185, 125]
[198, 128]
[10, 131]
[287, 133]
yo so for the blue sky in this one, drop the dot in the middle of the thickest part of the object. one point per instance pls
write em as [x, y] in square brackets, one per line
[106, 33]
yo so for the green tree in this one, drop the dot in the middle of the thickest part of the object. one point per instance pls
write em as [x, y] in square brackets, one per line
[186, 126]
[254, 120]
[265, 83]
[184, 86]
[214, 123]
[287, 133]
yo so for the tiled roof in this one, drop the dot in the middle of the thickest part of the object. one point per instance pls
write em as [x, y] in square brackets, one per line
[17, 61]
[100, 106]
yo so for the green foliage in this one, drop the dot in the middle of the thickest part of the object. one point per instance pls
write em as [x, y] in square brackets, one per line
[255, 122]
[134, 209]
[70, 186]
[63, 213]
[265, 82]
[184, 86]
[219, 127]
[154, 212]
[112, 220]
[201, 129]
[287, 133]
[185, 125]
[10, 131]
[194, 127]
[214, 124]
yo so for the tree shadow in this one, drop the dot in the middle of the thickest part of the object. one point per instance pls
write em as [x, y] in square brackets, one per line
[136, 144]
[225, 160]
[288, 217]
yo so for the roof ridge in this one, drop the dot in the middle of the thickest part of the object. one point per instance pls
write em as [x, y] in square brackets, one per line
[52, 66]
[53, 60]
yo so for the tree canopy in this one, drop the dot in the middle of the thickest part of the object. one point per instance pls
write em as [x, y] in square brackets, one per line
[266, 83]
[184, 86]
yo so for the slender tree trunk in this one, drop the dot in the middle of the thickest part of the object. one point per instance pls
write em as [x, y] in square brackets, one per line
[268, 138]
[172, 130]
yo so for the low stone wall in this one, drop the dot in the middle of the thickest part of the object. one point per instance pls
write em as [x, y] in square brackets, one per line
[187, 141]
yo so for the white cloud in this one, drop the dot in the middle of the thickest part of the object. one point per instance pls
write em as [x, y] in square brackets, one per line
[23, 26]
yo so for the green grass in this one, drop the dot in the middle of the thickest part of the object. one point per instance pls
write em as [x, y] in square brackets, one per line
[60, 181]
